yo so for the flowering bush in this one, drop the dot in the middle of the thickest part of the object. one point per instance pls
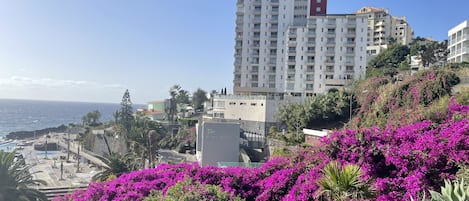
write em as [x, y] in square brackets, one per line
[400, 162]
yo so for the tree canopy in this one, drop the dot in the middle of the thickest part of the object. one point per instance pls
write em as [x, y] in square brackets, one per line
[126, 111]
[198, 98]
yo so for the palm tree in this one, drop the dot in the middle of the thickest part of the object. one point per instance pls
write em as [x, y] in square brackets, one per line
[340, 183]
[116, 165]
[16, 179]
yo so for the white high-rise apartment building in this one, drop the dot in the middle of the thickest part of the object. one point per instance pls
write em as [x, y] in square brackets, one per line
[327, 53]
[459, 43]
[382, 27]
[263, 62]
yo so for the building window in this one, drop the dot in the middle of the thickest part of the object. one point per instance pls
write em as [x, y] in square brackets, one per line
[253, 104]
[318, 9]
[318, 1]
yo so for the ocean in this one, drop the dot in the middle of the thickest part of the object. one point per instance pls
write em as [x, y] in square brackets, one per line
[28, 115]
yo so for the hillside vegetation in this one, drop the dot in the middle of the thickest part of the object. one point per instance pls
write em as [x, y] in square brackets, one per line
[406, 139]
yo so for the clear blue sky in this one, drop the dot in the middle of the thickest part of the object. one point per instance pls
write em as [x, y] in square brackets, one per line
[92, 51]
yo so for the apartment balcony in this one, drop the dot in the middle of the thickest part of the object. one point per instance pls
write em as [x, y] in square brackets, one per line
[274, 1]
[330, 25]
[273, 28]
[310, 70]
[291, 61]
[335, 82]
[329, 70]
[292, 52]
[349, 71]
[349, 53]
[256, 45]
[329, 62]
[237, 63]
[352, 23]
[310, 52]
[330, 43]
[292, 33]
[349, 62]
[273, 45]
[238, 46]
[275, 10]
[254, 71]
[273, 62]
[271, 71]
[310, 61]
[330, 53]
[291, 71]
[239, 21]
[290, 79]
[292, 43]
[254, 62]
[309, 88]
[351, 33]
[311, 43]
[350, 44]
[331, 33]
[256, 20]
[257, 11]
[255, 54]
[309, 79]
[257, 2]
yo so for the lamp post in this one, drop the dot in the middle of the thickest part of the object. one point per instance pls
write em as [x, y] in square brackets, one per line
[68, 146]
[351, 96]
[297, 126]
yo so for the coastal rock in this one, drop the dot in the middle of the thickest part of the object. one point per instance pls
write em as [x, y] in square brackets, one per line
[19, 135]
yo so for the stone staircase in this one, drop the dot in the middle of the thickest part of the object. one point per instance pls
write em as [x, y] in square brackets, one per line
[52, 192]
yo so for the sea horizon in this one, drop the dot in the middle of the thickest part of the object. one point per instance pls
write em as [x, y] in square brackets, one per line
[30, 115]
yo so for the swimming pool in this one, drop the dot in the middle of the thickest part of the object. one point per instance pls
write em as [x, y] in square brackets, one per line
[8, 146]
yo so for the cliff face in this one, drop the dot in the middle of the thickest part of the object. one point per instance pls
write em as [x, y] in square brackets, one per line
[19, 135]
[97, 144]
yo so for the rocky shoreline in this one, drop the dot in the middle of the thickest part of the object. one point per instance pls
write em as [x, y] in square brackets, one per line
[19, 135]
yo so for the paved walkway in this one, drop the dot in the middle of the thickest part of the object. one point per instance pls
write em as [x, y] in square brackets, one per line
[74, 149]
[48, 169]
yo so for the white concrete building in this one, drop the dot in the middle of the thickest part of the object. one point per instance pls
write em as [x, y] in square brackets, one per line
[217, 142]
[262, 59]
[459, 43]
[255, 114]
[326, 53]
[382, 27]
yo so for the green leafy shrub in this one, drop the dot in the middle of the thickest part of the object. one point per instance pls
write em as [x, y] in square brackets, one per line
[187, 190]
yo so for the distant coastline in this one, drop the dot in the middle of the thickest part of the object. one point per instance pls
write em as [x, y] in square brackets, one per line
[20, 135]
[30, 115]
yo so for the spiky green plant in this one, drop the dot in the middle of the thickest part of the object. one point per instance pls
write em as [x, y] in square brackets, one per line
[452, 192]
[342, 183]
[16, 179]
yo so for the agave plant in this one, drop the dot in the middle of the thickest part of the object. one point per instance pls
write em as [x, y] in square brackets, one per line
[16, 179]
[451, 192]
[341, 183]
